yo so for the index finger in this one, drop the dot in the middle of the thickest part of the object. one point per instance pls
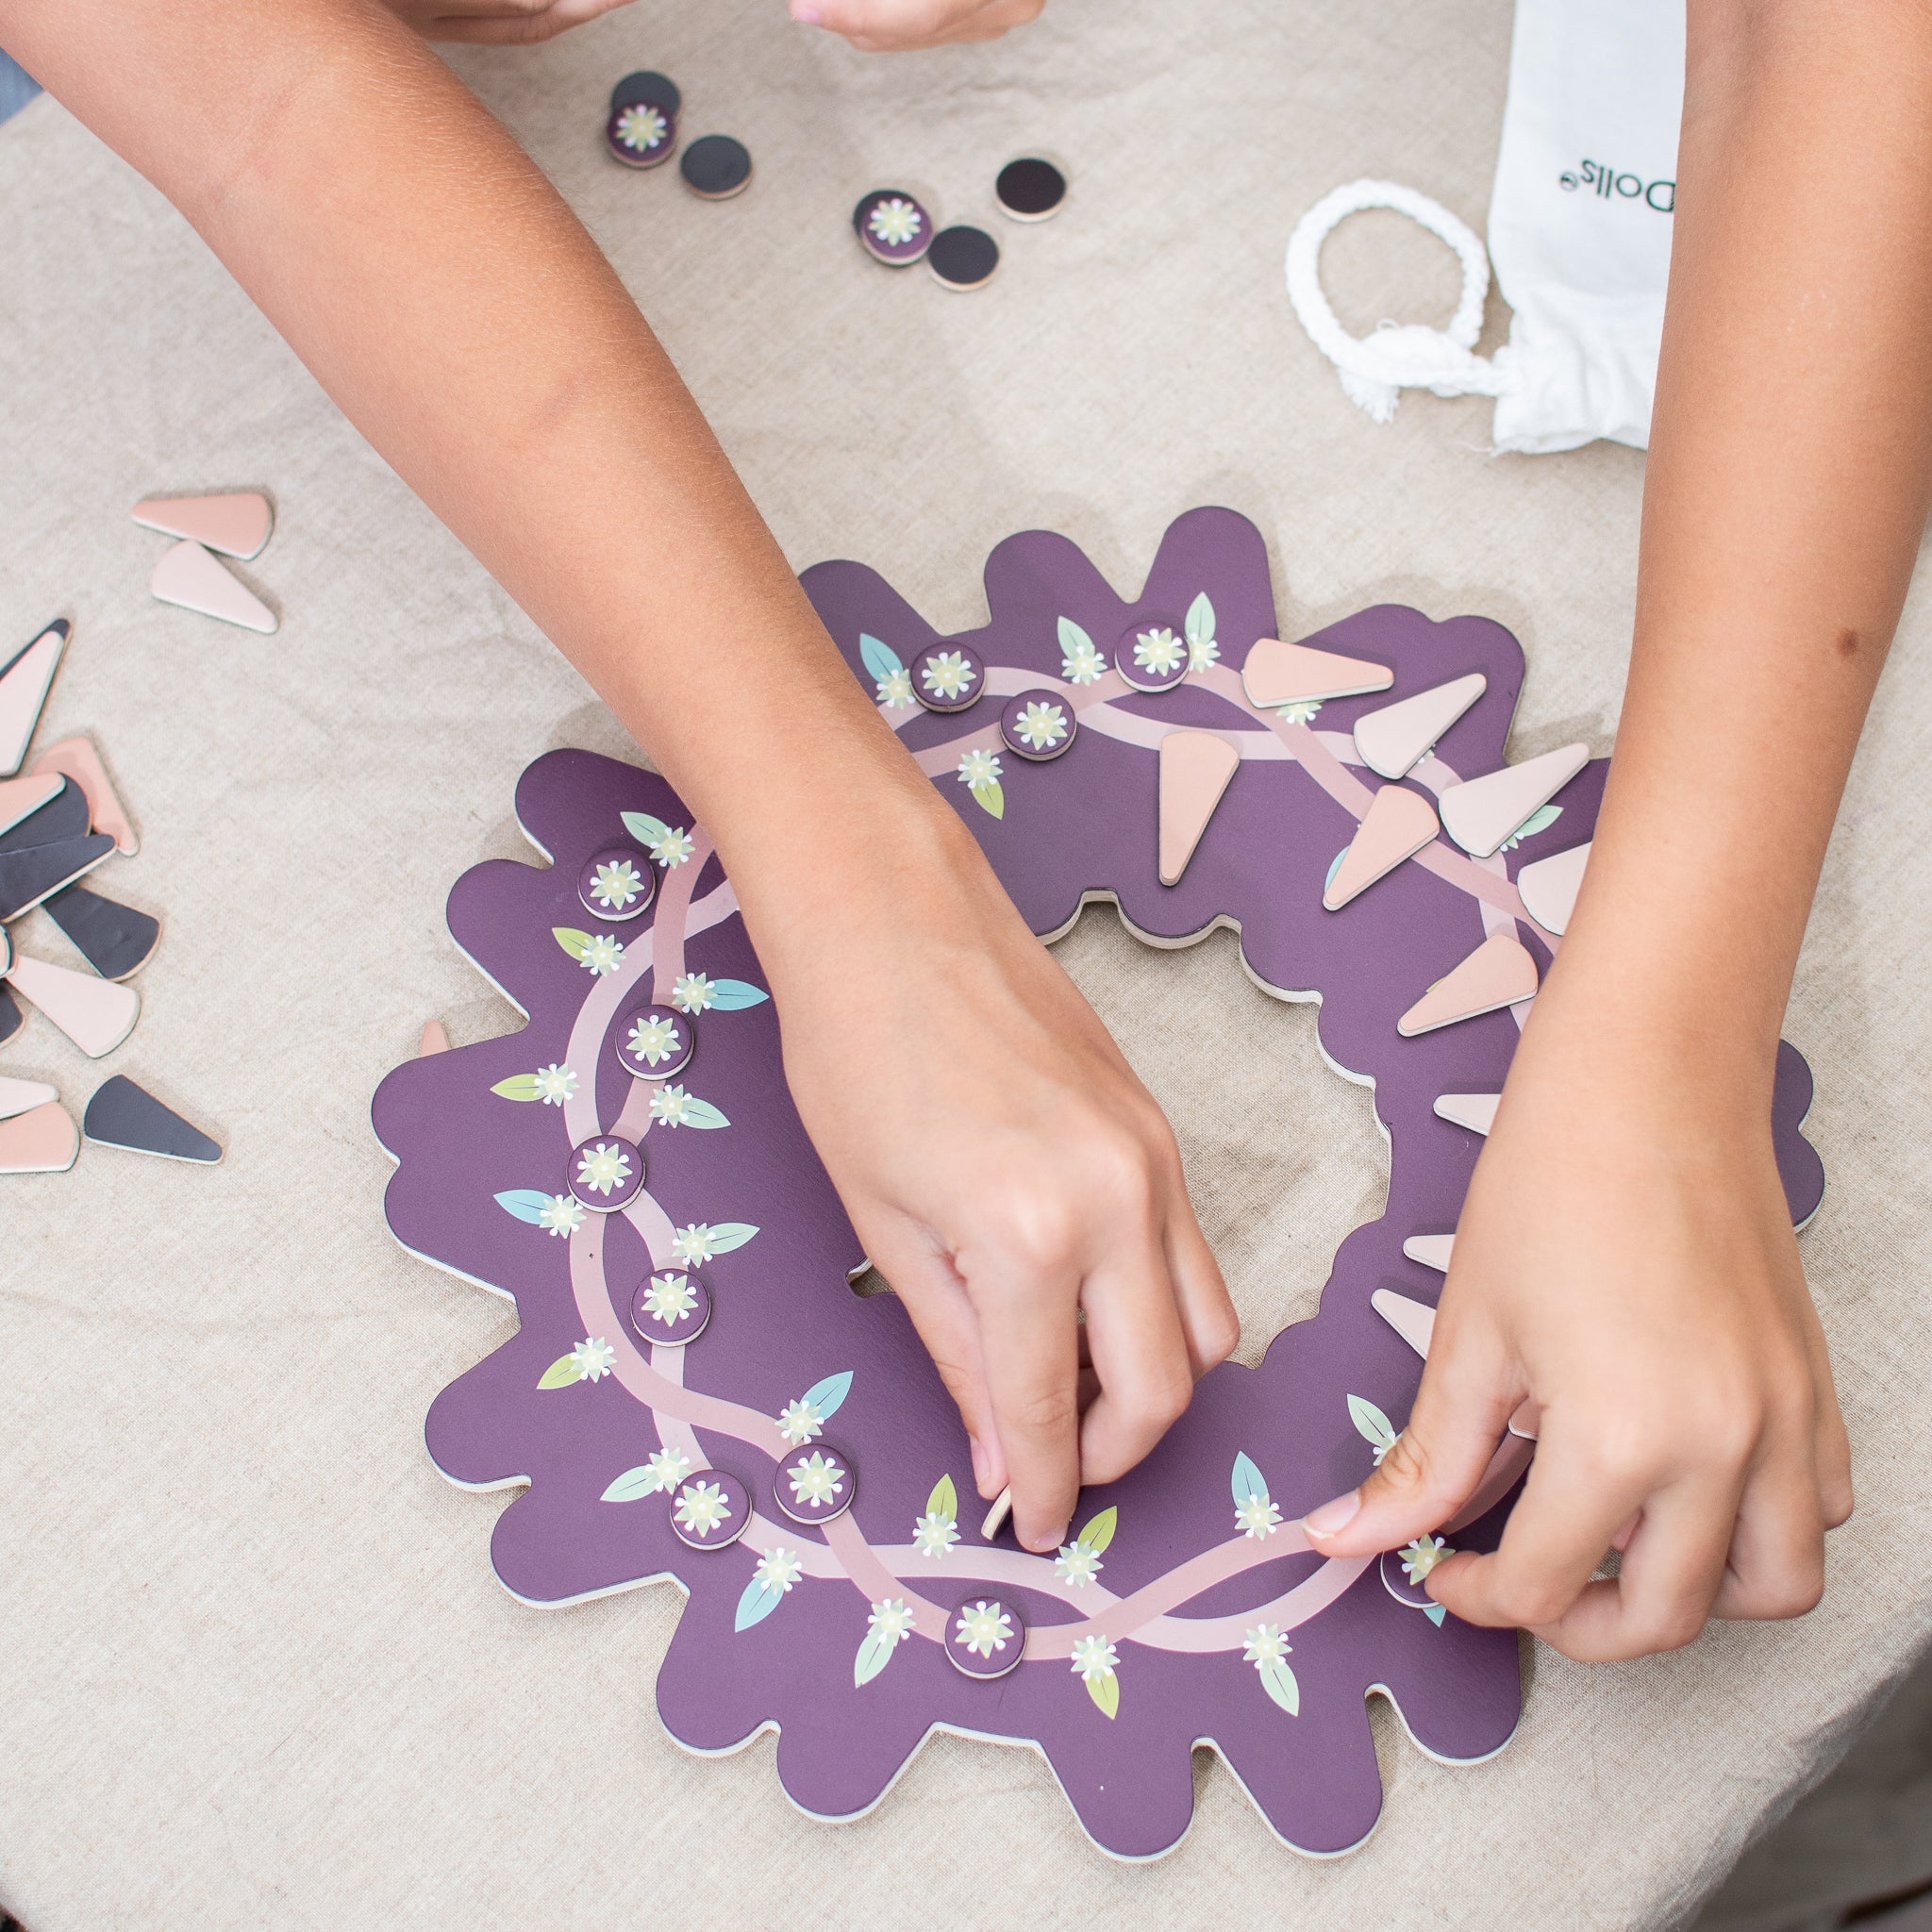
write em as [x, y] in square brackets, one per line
[1030, 1353]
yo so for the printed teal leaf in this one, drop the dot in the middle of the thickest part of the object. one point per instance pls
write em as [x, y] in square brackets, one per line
[1435, 1613]
[700, 1113]
[1538, 822]
[733, 996]
[632, 1484]
[561, 1373]
[944, 1500]
[727, 1235]
[1278, 1679]
[1248, 1479]
[987, 796]
[1099, 1532]
[880, 659]
[1106, 1691]
[1334, 867]
[527, 1204]
[758, 1603]
[571, 940]
[1371, 1423]
[644, 828]
[875, 1654]
[827, 1396]
[518, 1087]
[1199, 624]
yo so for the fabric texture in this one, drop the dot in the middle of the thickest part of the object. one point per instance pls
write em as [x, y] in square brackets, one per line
[255, 1672]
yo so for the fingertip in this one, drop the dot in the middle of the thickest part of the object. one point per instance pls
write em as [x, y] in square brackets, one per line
[1331, 1518]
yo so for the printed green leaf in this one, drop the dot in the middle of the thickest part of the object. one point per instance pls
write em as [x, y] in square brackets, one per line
[875, 1654]
[1538, 822]
[518, 1087]
[883, 662]
[987, 796]
[1105, 1691]
[1278, 1679]
[633, 1483]
[727, 1235]
[700, 1113]
[1072, 637]
[825, 1396]
[1435, 1613]
[944, 1500]
[527, 1204]
[571, 940]
[1099, 1532]
[1371, 1423]
[732, 996]
[561, 1373]
[758, 1603]
[1334, 867]
[644, 828]
[1200, 624]
[1248, 1479]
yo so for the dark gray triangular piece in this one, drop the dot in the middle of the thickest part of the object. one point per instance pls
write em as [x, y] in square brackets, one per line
[28, 878]
[63, 816]
[123, 1115]
[11, 1015]
[114, 939]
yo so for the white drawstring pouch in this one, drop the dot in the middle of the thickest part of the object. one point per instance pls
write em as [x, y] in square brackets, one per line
[1580, 233]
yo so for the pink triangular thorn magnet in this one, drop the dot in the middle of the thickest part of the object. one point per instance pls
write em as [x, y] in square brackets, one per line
[76, 758]
[1431, 1250]
[434, 1040]
[1498, 974]
[197, 580]
[17, 1096]
[1279, 674]
[1475, 1111]
[94, 1014]
[21, 797]
[42, 1140]
[236, 525]
[1415, 1322]
[1485, 811]
[1195, 767]
[1391, 740]
[994, 1519]
[1397, 824]
[24, 689]
[1549, 887]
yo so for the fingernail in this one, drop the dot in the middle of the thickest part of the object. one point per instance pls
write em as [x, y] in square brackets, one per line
[806, 15]
[1331, 1518]
[1044, 1546]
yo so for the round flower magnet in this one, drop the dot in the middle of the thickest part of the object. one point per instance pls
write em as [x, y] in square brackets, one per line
[1152, 657]
[710, 1510]
[617, 883]
[816, 1483]
[669, 1309]
[947, 677]
[641, 134]
[984, 1638]
[605, 1173]
[1037, 725]
[655, 1043]
[892, 226]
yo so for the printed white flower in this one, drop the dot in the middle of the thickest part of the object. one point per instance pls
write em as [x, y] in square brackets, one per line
[1203, 652]
[640, 128]
[1158, 652]
[780, 1568]
[673, 848]
[984, 1627]
[1257, 1515]
[555, 1084]
[1095, 1657]
[1077, 1564]
[1301, 711]
[601, 955]
[655, 1039]
[891, 1620]
[799, 1421]
[668, 1104]
[1082, 663]
[693, 1244]
[1265, 1645]
[561, 1214]
[947, 674]
[668, 1467]
[895, 222]
[1041, 726]
[702, 1508]
[594, 1356]
[604, 1167]
[616, 885]
[670, 1298]
[816, 1479]
[1422, 1556]
[933, 1534]
[895, 690]
[979, 768]
[692, 992]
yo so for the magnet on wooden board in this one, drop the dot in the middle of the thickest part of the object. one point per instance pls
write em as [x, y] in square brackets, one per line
[964, 258]
[946, 676]
[1038, 726]
[1152, 657]
[17, 1096]
[670, 1311]
[1480, 813]
[617, 884]
[985, 1638]
[432, 1040]
[640, 135]
[62, 818]
[42, 1140]
[97, 1014]
[115, 940]
[997, 1513]
[33, 872]
[816, 1483]
[1030, 190]
[237, 523]
[1548, 888]
[76, 758]
[1475, 1111]
[605, 1173]
[1498, 974]
[122, 1114]
[1414, 1321]
[1279, 674]
[1398, 823]
[715, 167]
[1394, 738]
[196, 579]
[1430, 1250]
[710, 1510]
[892, 227]
[25, 680]
[652, 89]
[20, 798]
[655, 1043]
[1195, 769]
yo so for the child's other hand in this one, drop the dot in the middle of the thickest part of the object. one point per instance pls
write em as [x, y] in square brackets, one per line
[1625, 1265]
[894, 26]
[498, 23]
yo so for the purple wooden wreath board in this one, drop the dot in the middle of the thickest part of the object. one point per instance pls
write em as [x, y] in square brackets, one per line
[573, 1407]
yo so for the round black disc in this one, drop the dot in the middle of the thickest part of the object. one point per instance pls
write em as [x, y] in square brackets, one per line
[717, 167]
[964, 258]
[648, 90]
[1030, 190]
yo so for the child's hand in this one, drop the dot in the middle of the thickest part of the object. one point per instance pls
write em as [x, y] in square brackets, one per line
[894, 26]
[498, 23]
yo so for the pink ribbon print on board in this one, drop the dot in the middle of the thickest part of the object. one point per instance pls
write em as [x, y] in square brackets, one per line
[694, 1392]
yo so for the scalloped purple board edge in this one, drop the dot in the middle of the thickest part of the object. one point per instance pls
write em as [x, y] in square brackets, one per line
[784, 1317]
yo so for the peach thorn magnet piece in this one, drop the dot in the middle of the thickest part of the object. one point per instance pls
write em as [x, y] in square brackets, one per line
[1431, 1250]
[1415, 1322]
[42, 1140]
[996, 1518]
[1498, 974]
[76, 758]
[1390, 741]
[1549, 887]
[1279, 674]
[97, 1014]
[1482, 813]
[1475, 1111]
[434, 1040]
[197, 580]
[20, 798]
[237, 524]
[17, 1096]
[1195, 767]
[24, 681]
[1397, 824]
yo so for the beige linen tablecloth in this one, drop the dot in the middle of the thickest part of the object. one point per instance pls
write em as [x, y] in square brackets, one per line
[255, 1670]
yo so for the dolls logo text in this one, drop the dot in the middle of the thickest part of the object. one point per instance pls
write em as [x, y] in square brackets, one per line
[1600, 179]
